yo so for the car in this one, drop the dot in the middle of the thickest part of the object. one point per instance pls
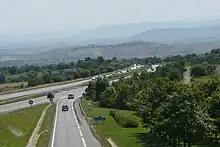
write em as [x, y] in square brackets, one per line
[65, 108]
[70, 96]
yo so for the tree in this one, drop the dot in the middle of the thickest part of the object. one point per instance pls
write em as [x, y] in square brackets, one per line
[202, 69]
[107, 97]
[184, 117]
[13, 70]
[214, 111]
[2, 79]
[46, 78]
[100, 86]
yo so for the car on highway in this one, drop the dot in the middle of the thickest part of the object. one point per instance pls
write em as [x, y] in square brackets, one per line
[70, 96]
[65, 108]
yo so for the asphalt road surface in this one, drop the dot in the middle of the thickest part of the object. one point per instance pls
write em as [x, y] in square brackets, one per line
[84, 127]
[37, 101]
[40, 90]
[68, 131]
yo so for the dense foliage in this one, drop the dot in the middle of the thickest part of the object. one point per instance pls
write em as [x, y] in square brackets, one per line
[175, 113]
[124, 121]
[83, 68]
[36, 75]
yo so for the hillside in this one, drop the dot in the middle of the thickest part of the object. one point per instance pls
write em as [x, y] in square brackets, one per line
[105, 34]
[198, 34]
[123, 50]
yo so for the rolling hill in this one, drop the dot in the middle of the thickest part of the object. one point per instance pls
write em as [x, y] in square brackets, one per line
[124, 50]
[189, 35]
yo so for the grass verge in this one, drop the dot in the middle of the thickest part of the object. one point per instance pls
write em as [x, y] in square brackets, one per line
[46, 128]
[23, 98]
[123, 137]
[204, 79]
[17, 127]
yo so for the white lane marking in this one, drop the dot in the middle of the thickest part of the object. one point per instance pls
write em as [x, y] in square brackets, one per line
[78, 126]
[80, 132]
[55, 122]
[84, 143]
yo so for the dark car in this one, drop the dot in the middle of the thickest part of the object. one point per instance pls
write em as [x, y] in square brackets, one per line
[64, 108]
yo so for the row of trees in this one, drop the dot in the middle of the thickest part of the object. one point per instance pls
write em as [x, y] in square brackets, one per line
[89, 66]
[175, 113]
[202, 69]
[35, 75]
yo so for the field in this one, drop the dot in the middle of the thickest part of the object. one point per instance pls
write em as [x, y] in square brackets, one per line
[17, 127]
[46, 127]
[12, 86]
[203, 79]
[123, 137]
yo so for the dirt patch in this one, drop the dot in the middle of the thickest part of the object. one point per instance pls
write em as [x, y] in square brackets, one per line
[15, 131]
[12, 86]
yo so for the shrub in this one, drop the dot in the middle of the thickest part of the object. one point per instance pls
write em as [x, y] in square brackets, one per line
[125, 122]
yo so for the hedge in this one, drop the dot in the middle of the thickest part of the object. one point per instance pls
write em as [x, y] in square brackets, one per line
[124, 121]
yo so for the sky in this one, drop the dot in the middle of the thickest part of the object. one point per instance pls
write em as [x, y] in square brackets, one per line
[44, 16]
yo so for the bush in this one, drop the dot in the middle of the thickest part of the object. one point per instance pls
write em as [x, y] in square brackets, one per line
[125, 122]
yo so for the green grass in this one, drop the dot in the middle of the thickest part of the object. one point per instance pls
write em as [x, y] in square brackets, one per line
[22, 123]
[23, 98]
[47, 124]
[123, 137]
[203, 79]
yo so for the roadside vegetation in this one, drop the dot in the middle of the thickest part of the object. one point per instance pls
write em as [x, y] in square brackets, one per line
[31, 75]
[170, 112]
[123, 137]
[46, 128]
[17, 127]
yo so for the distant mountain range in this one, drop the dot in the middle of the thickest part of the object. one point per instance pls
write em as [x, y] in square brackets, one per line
[194, 34]
[122, 40]
[109, 34]
[123, 50]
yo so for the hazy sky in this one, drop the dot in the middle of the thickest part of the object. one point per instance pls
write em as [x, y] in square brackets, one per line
[31, 16]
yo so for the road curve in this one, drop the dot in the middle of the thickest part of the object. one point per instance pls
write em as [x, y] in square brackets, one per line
[41, 90]
[68, 132]
[37, 101]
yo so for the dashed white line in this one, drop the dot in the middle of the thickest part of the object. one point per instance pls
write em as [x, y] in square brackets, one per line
[78, 126]
[80, 132]
[84, 143]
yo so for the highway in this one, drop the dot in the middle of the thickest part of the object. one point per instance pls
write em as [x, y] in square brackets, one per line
[68, 131]
[37, 101]
[41, 100]
[41, 90]
[70, 128]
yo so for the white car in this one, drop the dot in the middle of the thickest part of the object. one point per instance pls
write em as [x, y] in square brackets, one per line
[70, 96]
